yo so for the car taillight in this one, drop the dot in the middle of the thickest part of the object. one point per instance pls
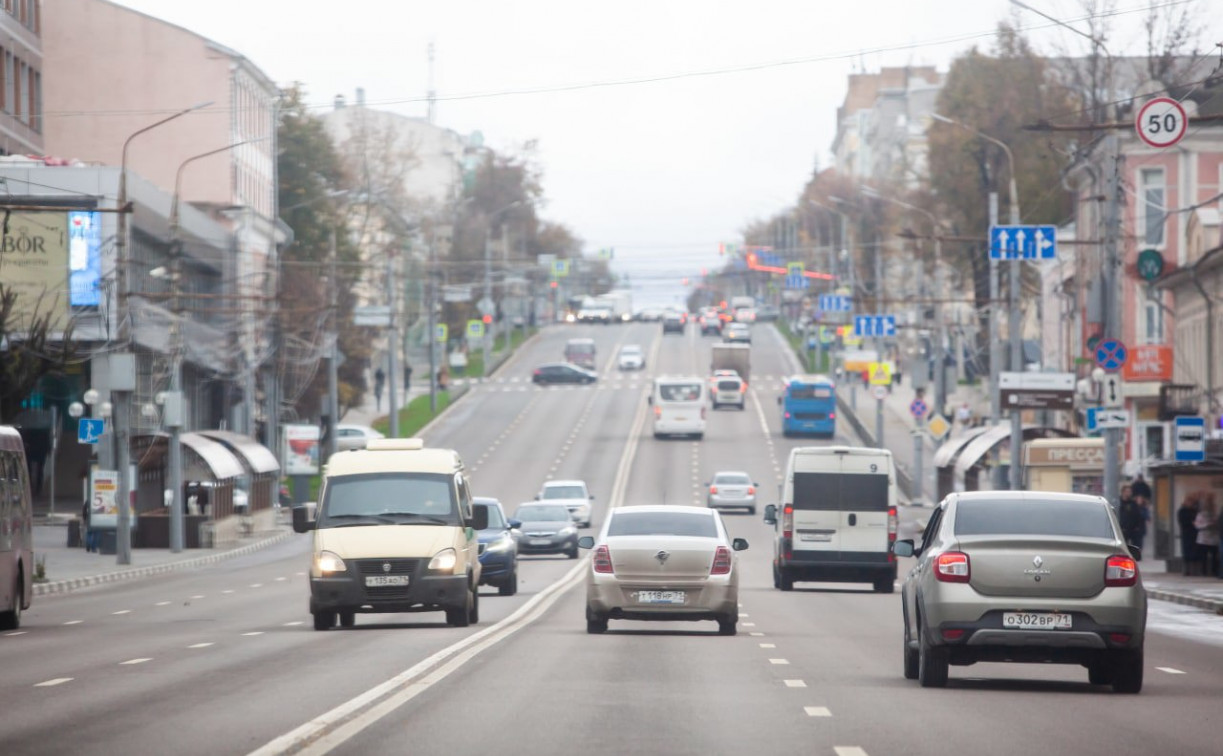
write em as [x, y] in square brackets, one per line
[787, 529]
[721, 562]
[713, 489]
[751, 490]
[537, 372]
[1120, 571]
[601, 560]
[658, 412]
[952, 567]
[893, 522]
[742, 388]
[832, 416]
[787, 415]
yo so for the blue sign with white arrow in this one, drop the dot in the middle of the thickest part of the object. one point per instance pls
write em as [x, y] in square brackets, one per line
[797, 282]
[90, 430]
[1023, 242]
[874, 325]
[835, 303]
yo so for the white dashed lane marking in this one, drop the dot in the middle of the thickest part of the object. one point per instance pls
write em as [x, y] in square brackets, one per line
[779, 661]
[135, 661]
[817, 711]
[199, 645]
[19, 632]
[795, 683]
[53, 683]
[123, 611]
[849, 751]
[293, 624]
[257, 632]
[756, 635]
[162, 603]
[1171, 670]
[768, 645]
[74, 622]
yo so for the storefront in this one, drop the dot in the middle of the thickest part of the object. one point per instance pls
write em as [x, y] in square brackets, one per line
[1066, 465]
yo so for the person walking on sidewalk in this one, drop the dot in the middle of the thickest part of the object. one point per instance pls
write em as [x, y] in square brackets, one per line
[407, 378]
[379, 382]
[1140, 487]
[1130, 515]
[1207, 524]
[1185, 517]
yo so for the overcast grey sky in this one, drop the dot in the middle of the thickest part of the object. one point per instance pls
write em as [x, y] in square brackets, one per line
[670, 167]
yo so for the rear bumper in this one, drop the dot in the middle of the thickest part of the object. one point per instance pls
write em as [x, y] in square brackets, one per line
[719, 502]
[986, 640]
[835, 567]
[707, 599]
[554, 545]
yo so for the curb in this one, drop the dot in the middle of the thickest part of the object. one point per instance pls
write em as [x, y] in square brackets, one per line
[67, 586]
[1186, 599]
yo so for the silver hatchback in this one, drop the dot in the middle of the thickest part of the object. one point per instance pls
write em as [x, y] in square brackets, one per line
[732, 490]
[1024, 577]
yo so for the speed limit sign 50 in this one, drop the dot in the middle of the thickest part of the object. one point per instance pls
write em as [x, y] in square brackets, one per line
[1161, 122]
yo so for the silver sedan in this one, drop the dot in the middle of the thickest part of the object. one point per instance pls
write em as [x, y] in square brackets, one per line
[1017, 576]
[663, 563]
[732, 490]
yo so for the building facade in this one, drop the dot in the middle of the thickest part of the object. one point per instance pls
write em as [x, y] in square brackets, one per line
[21, 87]
[881, 125]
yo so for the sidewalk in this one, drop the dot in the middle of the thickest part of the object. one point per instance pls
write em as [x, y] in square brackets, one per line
[70, 568]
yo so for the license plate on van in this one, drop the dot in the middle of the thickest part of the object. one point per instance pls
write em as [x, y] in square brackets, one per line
[383, 581]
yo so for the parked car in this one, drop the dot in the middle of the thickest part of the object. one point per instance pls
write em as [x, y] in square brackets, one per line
[663, 563]
[547, 528]
[498, 547]
[348, 437]
[563, 372]
[1024, 576]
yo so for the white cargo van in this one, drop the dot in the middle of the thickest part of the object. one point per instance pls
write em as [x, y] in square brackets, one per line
[679, 404]
[837, 518]
[395, 532]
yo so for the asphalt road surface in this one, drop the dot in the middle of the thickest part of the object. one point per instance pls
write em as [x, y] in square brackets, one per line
[223, 660]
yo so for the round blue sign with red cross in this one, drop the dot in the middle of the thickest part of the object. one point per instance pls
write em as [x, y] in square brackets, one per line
[918, 409]
[1111, 354]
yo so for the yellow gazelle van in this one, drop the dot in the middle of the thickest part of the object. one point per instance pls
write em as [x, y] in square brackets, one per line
[394, 531]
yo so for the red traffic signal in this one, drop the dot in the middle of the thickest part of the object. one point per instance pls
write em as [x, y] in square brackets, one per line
[553, 284]
[488, 319]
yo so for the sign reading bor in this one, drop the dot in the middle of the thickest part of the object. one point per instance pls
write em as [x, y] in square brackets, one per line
[34, 265]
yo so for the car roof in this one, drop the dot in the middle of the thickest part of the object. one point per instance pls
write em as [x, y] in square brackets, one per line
[666, 508]
[580, 342]
[1025, 496]
[731, 472]
[374, 460]
[564, 483]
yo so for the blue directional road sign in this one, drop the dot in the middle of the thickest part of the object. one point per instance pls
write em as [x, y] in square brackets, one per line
[797, 282]
[874, 325]
[90, 430]
[835, 303]
[1023, 242]
[1111, 354]
[1190, 440]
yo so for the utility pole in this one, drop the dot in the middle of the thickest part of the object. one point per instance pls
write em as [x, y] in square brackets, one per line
[1016, 323]
[392, 342]
[1113, 299]
[488, 295]
[432, 319]
[333, 355]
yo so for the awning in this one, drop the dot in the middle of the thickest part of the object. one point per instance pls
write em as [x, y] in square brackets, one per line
[220, 460]
[984, 443]
[947, 453]
[256, 456]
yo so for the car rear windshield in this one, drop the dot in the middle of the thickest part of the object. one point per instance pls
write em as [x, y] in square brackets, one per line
[843, 492]
[580, 349]
[564, 492]
[662, 523]
[732, 479]
[393, 497]
[679, 392]
[543, 513]
[1083, 519]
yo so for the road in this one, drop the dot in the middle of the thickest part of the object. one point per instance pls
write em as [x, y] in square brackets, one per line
[223, 660]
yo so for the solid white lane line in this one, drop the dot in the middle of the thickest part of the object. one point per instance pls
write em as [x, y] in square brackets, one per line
[199, 645]
[19, 632]
[1170, 670]
[768, 645]
[795, 683]
[817, 711]
[779, 661]
[335, 727]
[52, 683]
[135, 661]
[74, 622]
[849, 751]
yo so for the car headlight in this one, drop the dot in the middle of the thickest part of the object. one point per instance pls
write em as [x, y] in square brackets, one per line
[328, 562]
[504, 544]
[567, 530]
[444, 561]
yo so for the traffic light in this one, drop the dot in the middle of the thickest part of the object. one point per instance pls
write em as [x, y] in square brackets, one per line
[488, 319]
[553, 284]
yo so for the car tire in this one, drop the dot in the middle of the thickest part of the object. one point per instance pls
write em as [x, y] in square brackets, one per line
[699, 436]
[324, 620]
[572, 553]
[752, 510]
[932, 664]
[728, 624]
[887, 585]
[460, 616]
[776, 577]
[11, 620]
[786, 434]
[1100, 673]
[473, 612]
[596, 624]
[348, 619]
[785, 580]
[1127, 671]
[510, 586]
[910, 660]
[715, 406]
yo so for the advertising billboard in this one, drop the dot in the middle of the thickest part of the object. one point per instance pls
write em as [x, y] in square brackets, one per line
[84, 259]
[301, 450]
[34, 264]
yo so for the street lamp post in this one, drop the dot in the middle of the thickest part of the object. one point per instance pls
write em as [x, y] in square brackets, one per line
[488, 278]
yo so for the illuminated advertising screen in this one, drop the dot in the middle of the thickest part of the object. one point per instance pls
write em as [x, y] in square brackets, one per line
[84, 258]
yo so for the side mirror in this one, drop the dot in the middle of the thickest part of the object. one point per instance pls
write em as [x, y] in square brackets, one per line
[479, 518]
[592, 497]
[586, 542]
[536, 497]
[903, 548]
[649, 399]
[770, 514]
[301, 521]
[739, 544]
[514, 524]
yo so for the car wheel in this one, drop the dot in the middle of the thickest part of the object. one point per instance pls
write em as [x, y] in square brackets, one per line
[348, 619]
[460, 616]
[911, 660]
[11, 620]
[324, 620]
[510, 586]
[572, 553]
[596, 624]
[786, 434]
[751, 510]
[715, 406]
[728, 624]
[785, 580]
[932, 664]
[699, 436]
[1127, 671]
[473, 612]
[776, 577]
[887, 585]
[1100, 673]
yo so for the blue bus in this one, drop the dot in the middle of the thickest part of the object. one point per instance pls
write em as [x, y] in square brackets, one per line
[809, 406]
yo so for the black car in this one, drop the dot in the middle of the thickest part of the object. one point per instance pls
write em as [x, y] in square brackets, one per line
[563, 372]
[674, 321]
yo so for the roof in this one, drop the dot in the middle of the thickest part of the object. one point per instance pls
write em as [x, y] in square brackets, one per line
[947, 453]
[258, 458]
[981, 445]
[564, 483]
[219, 459]
[1025, 496]
[362, 461]
[821, 378]
[674, 508]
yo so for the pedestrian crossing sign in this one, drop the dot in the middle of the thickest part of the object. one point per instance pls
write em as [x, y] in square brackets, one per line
[880, 373]
[475, 329]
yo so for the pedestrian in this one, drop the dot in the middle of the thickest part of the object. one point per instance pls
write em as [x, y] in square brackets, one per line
[379, 382]
[964, 415]
[1207, 524]
[1141, 487]
[1185, 517]
[1141, 534]
[1130, 515]
[407, 378]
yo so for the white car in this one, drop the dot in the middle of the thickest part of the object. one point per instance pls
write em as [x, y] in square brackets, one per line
[349, 437]
[663, 563]
[573, 494]
[631, 357]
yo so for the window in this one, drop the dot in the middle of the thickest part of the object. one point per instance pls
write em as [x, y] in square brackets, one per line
[383, 496]
[1154, 211]
[9, 81]
[1079, 519]
[662, 523]
[1151, 325]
